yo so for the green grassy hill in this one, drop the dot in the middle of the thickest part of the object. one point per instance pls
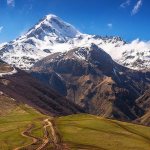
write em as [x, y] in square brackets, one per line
[74, 132]
[16, 118]
[95, 133]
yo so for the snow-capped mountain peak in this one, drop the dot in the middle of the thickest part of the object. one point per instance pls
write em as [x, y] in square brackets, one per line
[54, 27]
[52, 34]
[48, 34]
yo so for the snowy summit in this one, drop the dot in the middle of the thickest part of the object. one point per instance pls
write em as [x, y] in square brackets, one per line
[52, 34]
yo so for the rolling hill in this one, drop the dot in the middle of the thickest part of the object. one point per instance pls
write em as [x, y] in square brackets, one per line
[97, 133]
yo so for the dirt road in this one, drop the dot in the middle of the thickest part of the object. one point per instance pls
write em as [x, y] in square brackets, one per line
[51, 137]
[27, 134]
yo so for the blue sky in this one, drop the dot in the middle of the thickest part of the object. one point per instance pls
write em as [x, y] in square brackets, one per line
[129, 19]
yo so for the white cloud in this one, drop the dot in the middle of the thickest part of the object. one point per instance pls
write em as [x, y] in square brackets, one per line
[1, 28]
[11, 3]
[110, 25]
[136, 46]
[125, 4]
[136, 7]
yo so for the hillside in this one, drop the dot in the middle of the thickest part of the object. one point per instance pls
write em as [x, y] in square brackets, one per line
[22, 127]
[26, 105]
[26, 89]
[17, 121]
[144, 103]
[23, 100]
[96, 133]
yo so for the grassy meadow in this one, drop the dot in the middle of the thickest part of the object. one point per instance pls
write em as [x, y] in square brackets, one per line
[78, 132]
[14, 119]
[96, 133]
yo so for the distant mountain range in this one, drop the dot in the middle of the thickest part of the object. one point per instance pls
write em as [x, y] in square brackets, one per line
[52, 34]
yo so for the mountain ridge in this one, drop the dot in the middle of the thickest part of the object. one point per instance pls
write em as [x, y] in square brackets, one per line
[91, 79]
[25, 89]
[52, 34]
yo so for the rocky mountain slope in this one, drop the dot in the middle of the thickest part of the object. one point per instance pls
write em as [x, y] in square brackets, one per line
[90, 78]
[144, 103]
[27, 90]
[52, 34]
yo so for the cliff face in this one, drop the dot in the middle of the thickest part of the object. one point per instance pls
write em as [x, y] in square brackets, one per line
[144, 103]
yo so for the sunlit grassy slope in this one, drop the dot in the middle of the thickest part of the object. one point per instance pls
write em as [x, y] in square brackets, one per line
[78, 132]
[95, 133]
[14, 119]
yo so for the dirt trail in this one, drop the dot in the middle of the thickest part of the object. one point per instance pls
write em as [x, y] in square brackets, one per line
[46, 139]
[26, 134]
[14, 71]
[55, 138]
[51, 136]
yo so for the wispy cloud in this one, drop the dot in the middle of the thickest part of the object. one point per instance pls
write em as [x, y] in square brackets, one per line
[125, 4]
[110, 25]
[136, 7]
[11, 3]
[1, 28]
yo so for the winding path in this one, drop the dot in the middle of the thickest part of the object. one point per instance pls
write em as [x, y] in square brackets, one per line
[8, 73]
[54, 138]
[51, 136]
[46, 139]
[26, 134]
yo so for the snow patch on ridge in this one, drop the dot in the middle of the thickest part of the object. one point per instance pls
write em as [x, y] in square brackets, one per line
[8, 73]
